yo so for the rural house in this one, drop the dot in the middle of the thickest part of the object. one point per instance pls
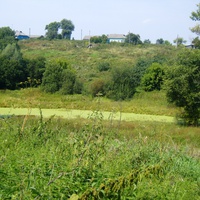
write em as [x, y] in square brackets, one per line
[87, 37]
[116, 38]
[19, 35]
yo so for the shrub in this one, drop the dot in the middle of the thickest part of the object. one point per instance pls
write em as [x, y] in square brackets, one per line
[153, 78]
[122, 85]
[103, 66]
[12, 72]
[58, 76]
[183, 88]
[97, 86]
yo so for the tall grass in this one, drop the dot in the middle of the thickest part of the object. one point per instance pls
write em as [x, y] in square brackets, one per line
[154, 103]
[61, 159]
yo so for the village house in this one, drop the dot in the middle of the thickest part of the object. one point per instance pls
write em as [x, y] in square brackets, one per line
[19, 35]
[116, 38]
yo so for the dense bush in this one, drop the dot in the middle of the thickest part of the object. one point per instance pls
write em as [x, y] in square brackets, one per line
[7, 36]
[153, 78]
[97, 86]
[59, 76]
[13, 69]
[12, 72]
[123, 83]
[183, 86]
[35, 70]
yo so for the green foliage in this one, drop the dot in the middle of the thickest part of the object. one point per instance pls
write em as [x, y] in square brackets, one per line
[57, 159]
[195, 16]
[66, 26]
[35, 69]
[103, 66]
[179, 41]
[125, 80]
[12, 72]
[97, 87]
[59, 76]
[133, 39]
[68, 81]
[52, 30]
[52, 78]
[196, 42]
[7, 36]
[153, 78]
[183, 88]
[160, 41]
[99, 39]
[12, 51]
[147, 41]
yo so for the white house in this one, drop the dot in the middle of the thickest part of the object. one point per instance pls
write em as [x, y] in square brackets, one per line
[116, 38]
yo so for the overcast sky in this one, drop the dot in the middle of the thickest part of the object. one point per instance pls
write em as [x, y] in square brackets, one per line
[151, 19]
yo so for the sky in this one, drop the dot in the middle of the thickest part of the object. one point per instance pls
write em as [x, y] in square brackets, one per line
[151, 19]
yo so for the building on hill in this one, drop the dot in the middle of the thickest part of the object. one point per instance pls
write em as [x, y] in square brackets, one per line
[87, 37]
[116, 38]
[19, 35]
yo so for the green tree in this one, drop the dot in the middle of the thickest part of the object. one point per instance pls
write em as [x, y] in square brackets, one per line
[67, 27]
[196, 42]
[147, 41]
[59, 76]
[183, 85]
[35, 69]
[12, 72]
[7, 36]
[12, 51]
[179, 41]
[195, 16]
[133, 39]
[99, 39]
[153, 77]
[160, 41]
[123, 83]
[52, 30]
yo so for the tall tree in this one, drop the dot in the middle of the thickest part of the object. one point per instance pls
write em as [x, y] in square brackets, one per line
[179, 41]
[133, 39]
[52, 30]
[195, 16]
[67, 27]
[160, 41]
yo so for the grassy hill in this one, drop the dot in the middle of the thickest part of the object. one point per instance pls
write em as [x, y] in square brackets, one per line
[86, 60]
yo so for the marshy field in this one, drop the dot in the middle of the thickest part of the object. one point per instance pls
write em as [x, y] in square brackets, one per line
[92, 150]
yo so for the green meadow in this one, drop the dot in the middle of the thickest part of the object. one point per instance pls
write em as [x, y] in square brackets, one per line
[56, 146]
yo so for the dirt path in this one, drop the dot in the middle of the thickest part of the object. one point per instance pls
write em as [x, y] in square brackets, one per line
[72, 114]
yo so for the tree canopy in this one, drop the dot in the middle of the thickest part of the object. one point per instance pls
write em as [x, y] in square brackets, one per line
[52, 29]
[195, 16]
[133, 39]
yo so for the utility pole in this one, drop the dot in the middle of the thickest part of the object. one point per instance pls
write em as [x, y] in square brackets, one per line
[89, 38]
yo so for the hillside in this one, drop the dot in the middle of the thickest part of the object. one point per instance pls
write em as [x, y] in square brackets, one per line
[86, 60]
